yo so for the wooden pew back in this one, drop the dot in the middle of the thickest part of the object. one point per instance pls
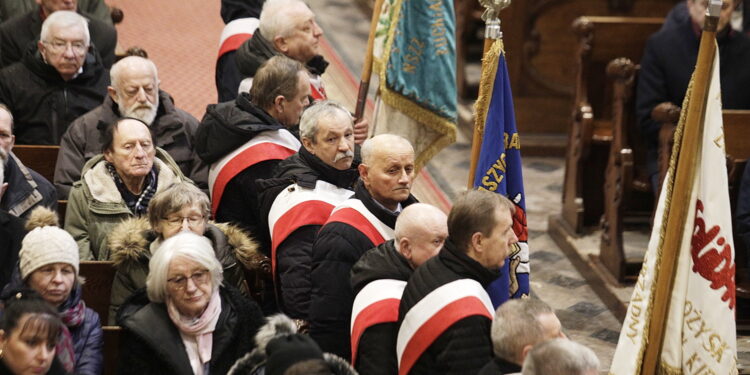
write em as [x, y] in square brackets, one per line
[40, 158]
[98, 286]
[112, 337]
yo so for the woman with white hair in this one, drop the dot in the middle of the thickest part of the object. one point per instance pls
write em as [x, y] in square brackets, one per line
[193, 324]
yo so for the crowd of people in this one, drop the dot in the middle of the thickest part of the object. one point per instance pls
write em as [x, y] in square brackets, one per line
[363, 278]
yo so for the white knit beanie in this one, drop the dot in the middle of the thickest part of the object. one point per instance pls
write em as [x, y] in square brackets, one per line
[47, 245]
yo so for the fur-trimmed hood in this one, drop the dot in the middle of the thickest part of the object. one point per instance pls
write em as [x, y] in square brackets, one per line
[253, 363]
[130, 241]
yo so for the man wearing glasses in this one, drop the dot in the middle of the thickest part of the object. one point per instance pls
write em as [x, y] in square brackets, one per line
[55, 84]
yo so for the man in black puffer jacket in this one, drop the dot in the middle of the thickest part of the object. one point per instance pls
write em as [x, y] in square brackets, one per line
[355, 226]
[445, 313]
[378, 280]
[308, 185]
[55, 84]
[245, 140]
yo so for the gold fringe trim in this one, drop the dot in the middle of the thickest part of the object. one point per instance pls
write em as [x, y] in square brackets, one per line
[487, 84]
[665, 369]
[409, 107]
[424, 117]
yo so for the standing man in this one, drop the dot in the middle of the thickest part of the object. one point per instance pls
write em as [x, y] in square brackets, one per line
[134, 92]
[56, 84]
[355, 226]
[445, 313]
[24, 188]
[244, 140]
[288, 27]
[378, 280]
[308, 185]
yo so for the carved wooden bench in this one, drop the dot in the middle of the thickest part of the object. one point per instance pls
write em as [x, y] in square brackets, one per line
[601, 40]
[40, 158]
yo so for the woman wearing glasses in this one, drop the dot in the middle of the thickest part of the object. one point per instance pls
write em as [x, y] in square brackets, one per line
[180, 207]
[193, 324]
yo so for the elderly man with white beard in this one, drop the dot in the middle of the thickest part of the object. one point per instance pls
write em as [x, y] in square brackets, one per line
[135, 93]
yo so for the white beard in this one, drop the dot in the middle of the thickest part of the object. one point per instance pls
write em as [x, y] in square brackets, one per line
[147, 115]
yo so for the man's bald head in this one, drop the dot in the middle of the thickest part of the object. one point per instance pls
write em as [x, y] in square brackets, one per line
[421, 230]
[135, 88]
[387, 169]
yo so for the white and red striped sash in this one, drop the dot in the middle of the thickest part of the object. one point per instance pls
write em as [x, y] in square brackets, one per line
[235, 33]
[434, 314]
[376, 303]
[296, 207]
[267, 145]
[317, 91]
[353, 212]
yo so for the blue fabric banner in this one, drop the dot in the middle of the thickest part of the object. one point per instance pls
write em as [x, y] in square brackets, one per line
[499, 170]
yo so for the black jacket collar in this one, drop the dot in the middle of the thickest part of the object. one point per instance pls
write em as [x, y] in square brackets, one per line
[465, 266]
[384, 215]
[310, 168]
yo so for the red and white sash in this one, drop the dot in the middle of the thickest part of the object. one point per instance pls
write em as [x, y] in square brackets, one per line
[296, 207]
[434, 314]
[318, 92]
[376, 303]
[353, 212]
[235, 33]
[267, 145]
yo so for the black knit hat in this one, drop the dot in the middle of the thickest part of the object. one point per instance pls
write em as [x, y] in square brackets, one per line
[286, 351]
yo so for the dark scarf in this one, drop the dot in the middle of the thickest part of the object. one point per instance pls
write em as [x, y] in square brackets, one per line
[137, 204]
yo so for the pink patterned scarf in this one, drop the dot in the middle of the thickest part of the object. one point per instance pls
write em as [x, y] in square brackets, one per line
[202, 328]
[71, 317]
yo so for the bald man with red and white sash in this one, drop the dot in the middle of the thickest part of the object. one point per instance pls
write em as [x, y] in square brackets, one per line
[445, 316]
[355, 226]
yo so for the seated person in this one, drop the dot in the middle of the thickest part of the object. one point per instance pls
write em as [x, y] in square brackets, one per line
[55, 83]
[48, 264]
[668, 63]
[180, 207]
[561, 357]
[27, 318]
[11, 234]
[193, 323]
[26, 189]
[133, 92]
[117, 184]
[17, 33]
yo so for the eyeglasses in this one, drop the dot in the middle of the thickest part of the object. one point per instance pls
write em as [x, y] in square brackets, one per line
[180, 282]
[175, 222]
[59, 46]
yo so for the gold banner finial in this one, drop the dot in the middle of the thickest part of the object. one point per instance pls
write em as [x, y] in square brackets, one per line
[491, 17]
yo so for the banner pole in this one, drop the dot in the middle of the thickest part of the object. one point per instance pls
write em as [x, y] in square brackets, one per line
[364, 82]
[681, 192]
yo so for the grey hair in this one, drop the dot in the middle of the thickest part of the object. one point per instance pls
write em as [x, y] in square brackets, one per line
[131, 61]
[560, 357]
[174, 198]
[10, 114]
[308, 124]
[375, 143]
[65, 18]
[273, 21]
[516, 325]
[187, 245]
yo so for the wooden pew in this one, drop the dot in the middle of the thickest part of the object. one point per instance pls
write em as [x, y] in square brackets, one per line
[62, 206]
[40, 158]
[111, 348]
[627, 189]
[97, 288]
[601, 39]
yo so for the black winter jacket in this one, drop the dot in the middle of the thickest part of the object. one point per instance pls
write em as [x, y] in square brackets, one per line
[466, 345]
[499, 366]
[18, 33]
[173, 130]
[11, 234]
[294, 255]
[376, 352]
[42, 103]
[26, 190]
[154, 345]
[336, 249]
[224, 128]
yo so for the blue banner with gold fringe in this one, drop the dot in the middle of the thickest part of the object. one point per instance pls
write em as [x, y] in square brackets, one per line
[499, 168]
